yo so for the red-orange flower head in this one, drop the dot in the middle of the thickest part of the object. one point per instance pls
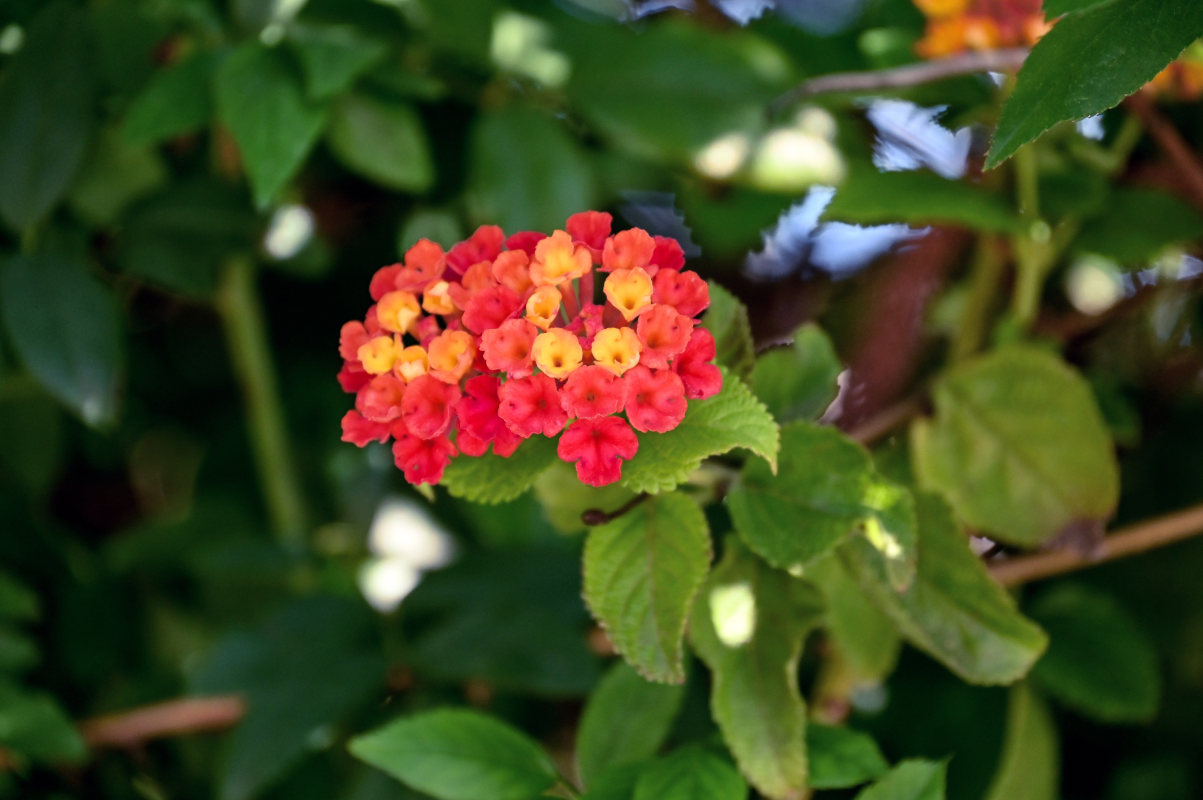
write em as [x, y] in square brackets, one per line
[954, 26]
[502, 338]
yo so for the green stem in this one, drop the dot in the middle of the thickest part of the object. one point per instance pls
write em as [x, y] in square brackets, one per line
[987, 274]
[246, 336]
[1031, 247]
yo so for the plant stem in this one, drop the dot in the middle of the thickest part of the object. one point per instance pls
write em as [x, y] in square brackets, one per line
[246, 336]
[988, 264]
[1031, 257]
[1131, 540]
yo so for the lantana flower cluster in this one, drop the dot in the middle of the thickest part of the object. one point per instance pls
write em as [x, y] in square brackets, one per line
[954, 26]
[500, 339]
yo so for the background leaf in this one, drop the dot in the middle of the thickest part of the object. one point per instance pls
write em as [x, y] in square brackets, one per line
[869, 196]
[690, 773]
[261, 101]
[526, 172]
[642, 571]
[748, 625]
[64, 325]
[382, 140]
[1018, 445]
[626, 719]
[732, 418]
[458, 754]
[910, 780]
[841, 757]
[866, 639]
[333, 56]
[46, 113]
[177, 100]
[1138, 225]
[954, 611]
[1089, 62]
[1087, 628]
[727, 320]
[1030, 763]
[798, 381]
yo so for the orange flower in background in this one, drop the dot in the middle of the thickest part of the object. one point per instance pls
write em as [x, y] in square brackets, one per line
[955, 26]
[499, 339]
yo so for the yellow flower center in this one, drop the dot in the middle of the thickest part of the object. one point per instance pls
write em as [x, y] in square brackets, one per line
[616, 349]
[557, 352]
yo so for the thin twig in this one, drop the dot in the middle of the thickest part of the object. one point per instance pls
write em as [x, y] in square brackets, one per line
[1127, 541]
[1176, 149]
[886, 420]
[1006, 60]
[129, 729]
[595, 516]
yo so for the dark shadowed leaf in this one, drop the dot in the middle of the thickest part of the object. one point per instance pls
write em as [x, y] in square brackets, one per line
[626, 719]
[64, 324]
[727, 320]
[46, 118]
[841, 757]
[333, 56]
[691, 773]
[1087, 628]
[1030, 763]
[458, 754]
[910, 780]
[799, 381]
[177, 100]
[261, 100]
[383, 140]
[1138, 224]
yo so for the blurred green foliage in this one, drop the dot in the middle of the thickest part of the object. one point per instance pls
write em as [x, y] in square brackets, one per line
[194, 195]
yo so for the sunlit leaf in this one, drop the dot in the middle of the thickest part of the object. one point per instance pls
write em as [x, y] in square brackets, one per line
[954, 610]
[748, 625]
[1018, 446]
[458, 754]
[641, 573]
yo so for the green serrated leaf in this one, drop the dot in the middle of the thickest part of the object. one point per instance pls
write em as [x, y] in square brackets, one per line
[870, 196]
[732, 418]
[177, 100]
[954, 610]
[458, 754]
[841, 757]
[1018, 446]
[1088, 628]
[910, 780]
[46, 113]
[748, 625]
[493, 479]
[333, 56]
[642, 571]
[1090, 61]
[261, 100]
[526, 172]
[691, 773]
[1138, 225]
[727, 320]
[626, 719]
[799, 381]
[826, 489]
[862, 634]
[1030, 762]
[65, 326]
[382, 140]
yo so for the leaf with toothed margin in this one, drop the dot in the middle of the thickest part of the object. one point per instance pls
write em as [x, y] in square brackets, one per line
[642, 571]
[748, 625]
[826, 491]
[492, 479]
[732, 418]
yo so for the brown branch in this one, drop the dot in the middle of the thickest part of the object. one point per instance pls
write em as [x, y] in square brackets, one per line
[1005, 60]
[132, 728]
[1176, 149]
[886, 420]
[595, 516]
[1123, 542]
